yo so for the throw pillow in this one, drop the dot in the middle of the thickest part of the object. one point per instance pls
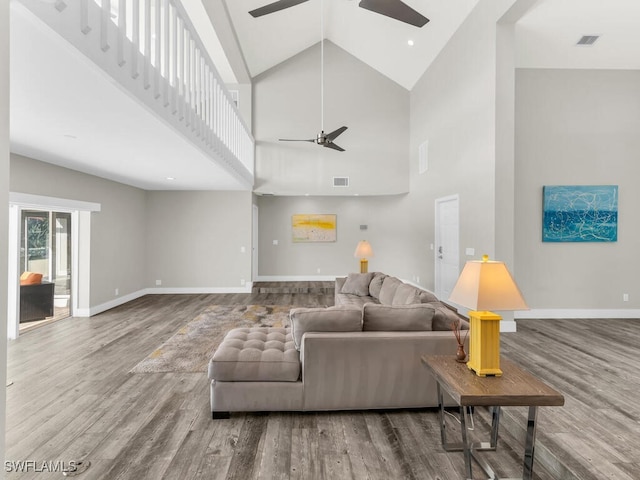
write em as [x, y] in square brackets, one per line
[30, 278]
[388, 290]
[416, 317]
[332, 319]
[357, 284]
[376, 284]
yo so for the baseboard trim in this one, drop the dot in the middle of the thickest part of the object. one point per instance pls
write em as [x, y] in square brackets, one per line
[116, 302]
[546, 313]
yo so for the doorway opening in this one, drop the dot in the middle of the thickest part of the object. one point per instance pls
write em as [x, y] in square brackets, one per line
[45, 249]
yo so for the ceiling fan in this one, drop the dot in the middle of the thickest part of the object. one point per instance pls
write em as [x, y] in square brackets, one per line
[395, 9]
[323, 139]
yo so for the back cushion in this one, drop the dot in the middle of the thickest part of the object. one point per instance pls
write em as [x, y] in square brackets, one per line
[406, 295]
[388, 290]
[357, 284]
[376, 284]
[427, 297]
[332, 319]
[416, 317]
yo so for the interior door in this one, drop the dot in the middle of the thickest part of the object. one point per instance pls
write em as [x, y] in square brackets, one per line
[447, 251]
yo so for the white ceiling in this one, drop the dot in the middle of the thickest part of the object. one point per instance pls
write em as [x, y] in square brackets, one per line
[56, 94]
[379, 41]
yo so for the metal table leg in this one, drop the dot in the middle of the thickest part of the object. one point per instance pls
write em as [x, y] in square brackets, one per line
[527, 471]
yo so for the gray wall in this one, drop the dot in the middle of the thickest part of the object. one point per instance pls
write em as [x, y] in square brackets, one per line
[389, 232]
[194, 239]
[374, 108]
[117, 231]
[577, 127]
[453, 106]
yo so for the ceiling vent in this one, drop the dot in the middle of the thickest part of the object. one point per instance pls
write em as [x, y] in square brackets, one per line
[340, 181]
[587, 40]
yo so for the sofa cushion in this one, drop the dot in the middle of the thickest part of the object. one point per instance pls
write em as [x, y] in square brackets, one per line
[260, 354]
[388, 290]
[332, 319]
[416, 317]
[406, 295]
[376, 284]
[444, 317]
[427, 297]
[357, 284]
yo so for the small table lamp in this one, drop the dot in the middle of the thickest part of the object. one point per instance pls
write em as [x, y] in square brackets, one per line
[482, 286]
[363, 251]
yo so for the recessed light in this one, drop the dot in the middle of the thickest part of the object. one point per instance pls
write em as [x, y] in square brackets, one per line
[410, 43]
[69, 136]
[171, 178]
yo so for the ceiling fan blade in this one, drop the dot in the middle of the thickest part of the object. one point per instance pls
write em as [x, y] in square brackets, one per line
[312, 140]
[334, 146]
[395, 9]
[275, 7]
[333, 135]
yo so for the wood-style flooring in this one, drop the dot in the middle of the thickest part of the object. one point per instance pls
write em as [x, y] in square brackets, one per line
[70, 397]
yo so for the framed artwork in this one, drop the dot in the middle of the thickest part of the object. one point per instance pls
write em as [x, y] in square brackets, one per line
[314, 228]
[580, 213]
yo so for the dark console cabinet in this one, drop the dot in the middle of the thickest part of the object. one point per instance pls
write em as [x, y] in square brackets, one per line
[36, 301]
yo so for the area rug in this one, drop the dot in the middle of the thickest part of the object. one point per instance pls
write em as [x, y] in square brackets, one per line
[191, 347]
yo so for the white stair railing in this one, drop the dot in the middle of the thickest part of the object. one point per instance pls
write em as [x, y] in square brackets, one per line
[153, 50]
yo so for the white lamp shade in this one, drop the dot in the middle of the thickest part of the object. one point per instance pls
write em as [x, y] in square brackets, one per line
[487, 285]
[363, 250]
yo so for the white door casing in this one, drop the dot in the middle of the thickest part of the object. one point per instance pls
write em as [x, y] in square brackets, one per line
[447, 251]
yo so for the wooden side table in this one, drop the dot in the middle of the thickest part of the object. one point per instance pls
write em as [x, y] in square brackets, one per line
[515, 388]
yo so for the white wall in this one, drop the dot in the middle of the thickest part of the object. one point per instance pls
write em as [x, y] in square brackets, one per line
[4, 212]
[194, 240]
[287, 105]
[117, 231]
[453, 106]
[577, 127]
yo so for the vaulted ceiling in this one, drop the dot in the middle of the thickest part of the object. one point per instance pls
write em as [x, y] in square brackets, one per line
[45, 130]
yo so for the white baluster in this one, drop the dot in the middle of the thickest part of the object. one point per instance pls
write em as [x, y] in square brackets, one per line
[135, 34]
[84, 16]
[105, 18]
[122, 30]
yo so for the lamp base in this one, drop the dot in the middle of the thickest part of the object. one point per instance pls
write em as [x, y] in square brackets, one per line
[364, 265]
[484, 343]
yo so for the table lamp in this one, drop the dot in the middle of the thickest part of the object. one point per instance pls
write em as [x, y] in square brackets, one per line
[363, 252]
[482, 286]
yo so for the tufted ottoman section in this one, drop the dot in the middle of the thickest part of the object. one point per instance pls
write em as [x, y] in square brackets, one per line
[260, 354]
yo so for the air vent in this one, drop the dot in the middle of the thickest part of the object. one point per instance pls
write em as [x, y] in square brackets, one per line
[340, 181]
[587, 40]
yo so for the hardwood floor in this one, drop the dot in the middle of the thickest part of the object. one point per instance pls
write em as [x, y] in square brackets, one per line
[70, 397]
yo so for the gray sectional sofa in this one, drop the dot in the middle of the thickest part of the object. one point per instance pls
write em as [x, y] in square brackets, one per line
[362, 353]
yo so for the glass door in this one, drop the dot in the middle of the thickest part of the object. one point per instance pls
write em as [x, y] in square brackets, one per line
[45, 248]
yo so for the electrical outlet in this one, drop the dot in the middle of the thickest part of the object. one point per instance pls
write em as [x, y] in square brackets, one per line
[117, 292]
[158, 282]
[243, 250]
[625, 297]
[242, 282]
[275, 242]
[318, 270]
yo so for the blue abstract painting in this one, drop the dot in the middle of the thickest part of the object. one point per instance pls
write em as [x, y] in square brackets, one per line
[582, 213]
